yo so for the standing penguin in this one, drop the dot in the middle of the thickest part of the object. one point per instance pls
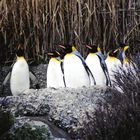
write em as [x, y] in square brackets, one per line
[76, 72]
[122, 53]
[54, 71]
[97, 65]
[19, 74]
[123, 56]
[113, 63]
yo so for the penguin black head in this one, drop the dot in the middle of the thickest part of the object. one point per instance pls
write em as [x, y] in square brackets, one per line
[123, 51]
[67, 48]
[114, 53]
[62, 54]
[93, 48]
[124, 47]
[20, 51]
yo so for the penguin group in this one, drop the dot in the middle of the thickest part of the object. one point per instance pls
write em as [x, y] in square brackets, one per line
[68, 68]
[74, 71]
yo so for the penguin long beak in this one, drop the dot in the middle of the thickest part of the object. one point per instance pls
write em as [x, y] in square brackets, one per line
[88, 47]
[57, 53]
[50, 54]
[61, 46]
[116, 50]
[19, 47]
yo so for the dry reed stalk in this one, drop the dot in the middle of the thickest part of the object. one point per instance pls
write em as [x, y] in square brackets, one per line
[41, 24]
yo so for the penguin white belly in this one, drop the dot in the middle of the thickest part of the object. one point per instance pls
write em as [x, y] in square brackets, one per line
[130, 67]
[94, 65]
[113, 66]
[54, 74]
[74, 72]
[20, 81]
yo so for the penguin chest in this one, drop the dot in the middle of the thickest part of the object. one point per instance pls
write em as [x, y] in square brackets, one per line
[113, 66]
[74, 72]
[19, 81]
[94, 65]
[54, 74]
[127, 67]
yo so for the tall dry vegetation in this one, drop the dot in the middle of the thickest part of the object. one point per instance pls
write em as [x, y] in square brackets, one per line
[118, 118]
[41, 24]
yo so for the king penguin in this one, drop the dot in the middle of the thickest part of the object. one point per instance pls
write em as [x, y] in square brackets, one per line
[19, 74]
[76, 72]
[97, 65]
[54, 71]
[122, 53]
[113, 64]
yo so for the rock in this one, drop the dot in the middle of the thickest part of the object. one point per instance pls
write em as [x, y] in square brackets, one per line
[24, 128]
[65, 108]
[40, 71]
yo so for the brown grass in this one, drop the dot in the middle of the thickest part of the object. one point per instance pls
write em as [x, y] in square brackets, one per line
[41, 24]
[118, 118]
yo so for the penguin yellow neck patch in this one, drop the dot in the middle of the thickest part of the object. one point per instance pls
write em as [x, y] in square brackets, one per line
[125, 61]
[92, 54]
[55, 59]
[21, 58]
[111, 58]
[68, 54]
[73, 48]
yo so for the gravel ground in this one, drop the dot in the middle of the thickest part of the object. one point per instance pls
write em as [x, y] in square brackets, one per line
[65, 108]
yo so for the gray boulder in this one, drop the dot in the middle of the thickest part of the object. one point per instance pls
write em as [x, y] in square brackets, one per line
[63, 108]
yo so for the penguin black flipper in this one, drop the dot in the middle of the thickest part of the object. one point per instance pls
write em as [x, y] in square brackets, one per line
[105, 70]
[108, 81]
[86, 68]
[62, 69]
[89, 73]
[34, 78]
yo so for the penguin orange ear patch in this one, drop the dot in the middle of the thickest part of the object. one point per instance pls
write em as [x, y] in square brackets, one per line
[98, 49]
[73, 48]
[126, 47]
